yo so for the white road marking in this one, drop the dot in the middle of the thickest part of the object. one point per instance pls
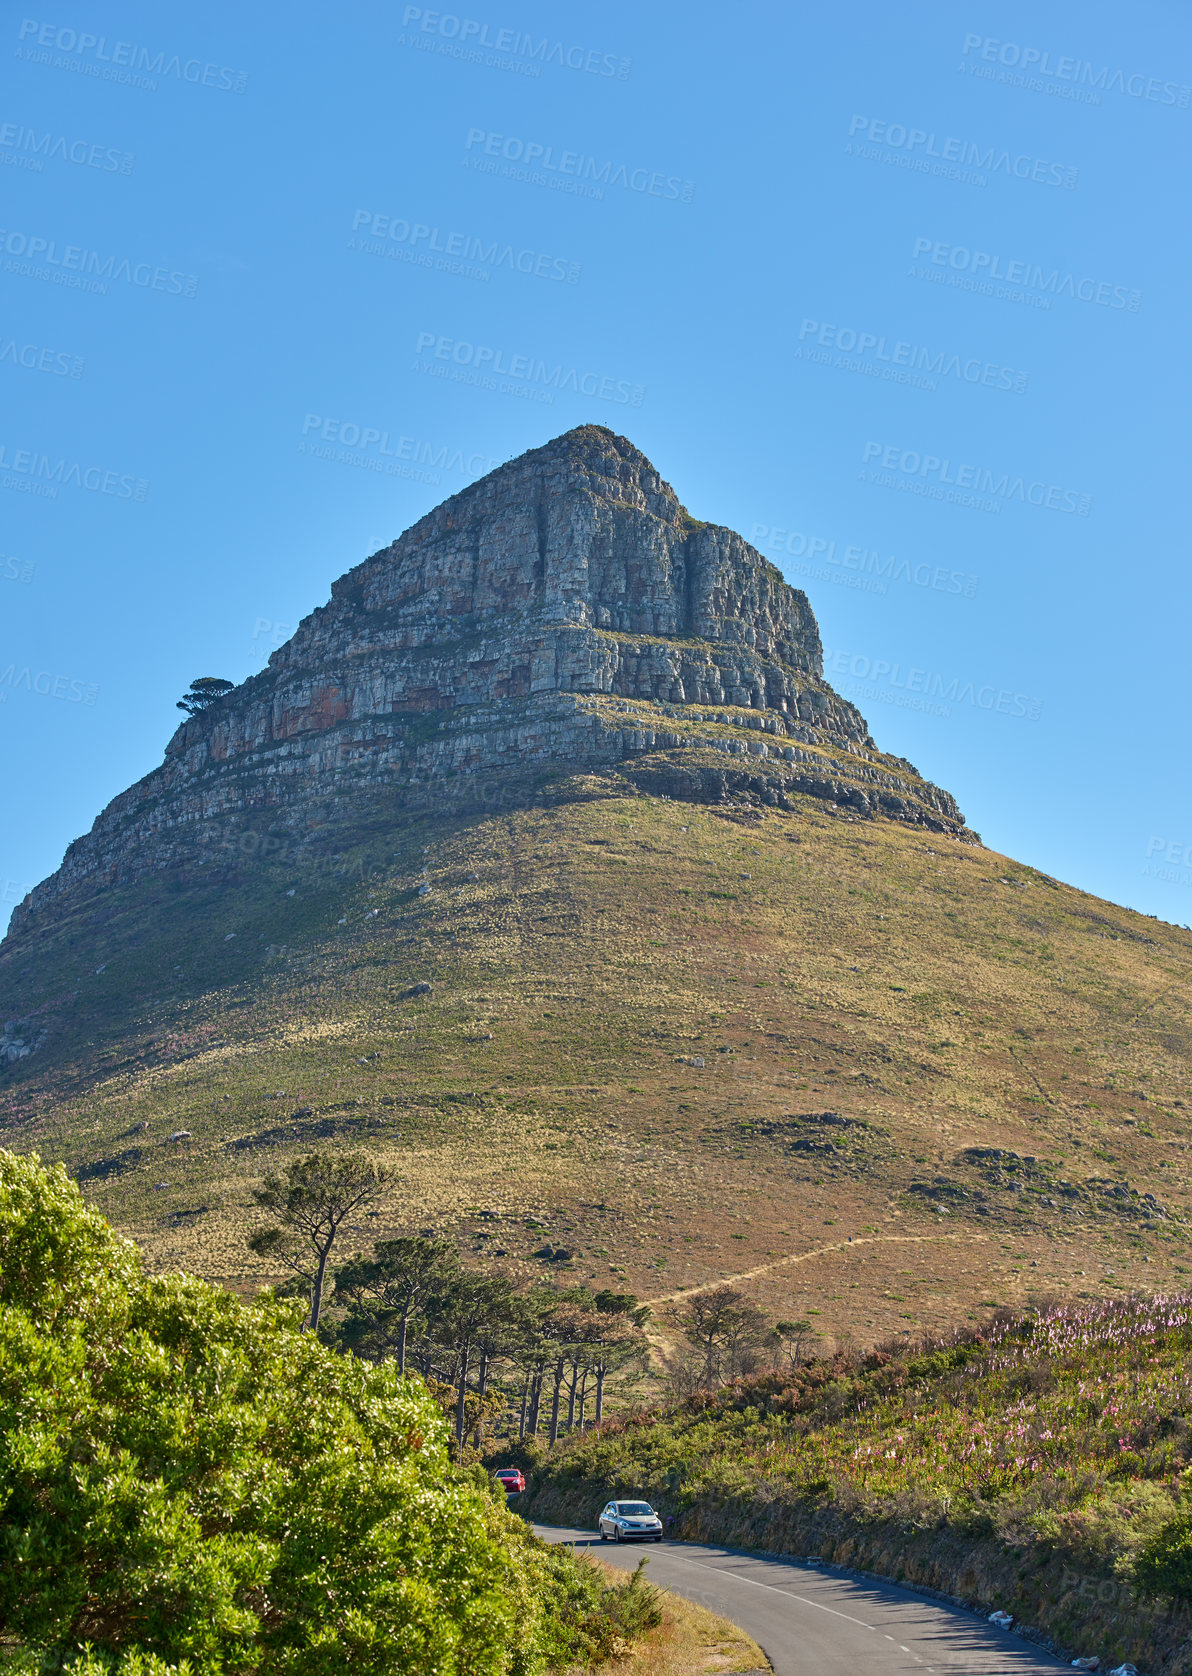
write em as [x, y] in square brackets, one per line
[786, 1593]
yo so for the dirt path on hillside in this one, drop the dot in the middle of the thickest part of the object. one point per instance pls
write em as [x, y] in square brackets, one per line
[819, 1251]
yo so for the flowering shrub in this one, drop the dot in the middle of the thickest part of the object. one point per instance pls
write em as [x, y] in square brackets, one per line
[1068, 1430]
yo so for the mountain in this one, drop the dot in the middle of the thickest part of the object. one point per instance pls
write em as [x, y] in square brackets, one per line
[713, 981]
[564, 612]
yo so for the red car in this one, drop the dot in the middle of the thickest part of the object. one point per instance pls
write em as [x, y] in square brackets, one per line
[512, 1478]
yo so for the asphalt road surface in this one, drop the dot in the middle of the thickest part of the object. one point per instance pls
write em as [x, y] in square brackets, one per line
[820, 1623]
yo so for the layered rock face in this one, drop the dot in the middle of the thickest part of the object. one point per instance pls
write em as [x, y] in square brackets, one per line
[562, 614]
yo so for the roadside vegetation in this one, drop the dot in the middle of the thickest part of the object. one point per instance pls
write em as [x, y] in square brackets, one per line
[686, 1640]
[1041, 1465]
[603, 1052]
[191, 1483]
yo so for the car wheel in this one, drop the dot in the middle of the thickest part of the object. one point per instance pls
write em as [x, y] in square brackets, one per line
[658, 1539]
[603, 1534]
[617, 1533]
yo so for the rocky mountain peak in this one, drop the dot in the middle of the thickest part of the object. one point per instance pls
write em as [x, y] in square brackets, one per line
[582, 532]
[562, 615]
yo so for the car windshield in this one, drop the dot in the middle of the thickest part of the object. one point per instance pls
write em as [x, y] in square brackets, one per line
[635, 1509]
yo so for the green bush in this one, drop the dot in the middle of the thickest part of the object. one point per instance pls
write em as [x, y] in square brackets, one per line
[598, 1622]
[190, 1483]
[524, 1452]
[1163, 1566]
[636, 1606]
[1103, 1531]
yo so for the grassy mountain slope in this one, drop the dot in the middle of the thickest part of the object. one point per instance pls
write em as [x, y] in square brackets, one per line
[976, 1072]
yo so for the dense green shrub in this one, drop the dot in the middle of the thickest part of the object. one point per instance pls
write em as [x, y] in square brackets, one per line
[1164, 1564]
[596, 1621]
[524, 1452]
[636, 1606]
[189, 1482]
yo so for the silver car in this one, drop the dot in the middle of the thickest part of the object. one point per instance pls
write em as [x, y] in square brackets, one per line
[630, 1521]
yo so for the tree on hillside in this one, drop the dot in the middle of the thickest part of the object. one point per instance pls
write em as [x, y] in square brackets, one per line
[726, 1337]
[533, 1355]
[414, 1300]
[203, 693]
[586, 1336]
[385, 1293]
[623, 1342]
[621, 1303]
[795, 1341]
[476, 1313]
[310, 1204]
[564, 1330]
[622, 1346]
[607, 1334]
[583, 1354]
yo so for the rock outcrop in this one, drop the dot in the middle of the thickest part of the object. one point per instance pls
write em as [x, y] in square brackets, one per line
[563, 614]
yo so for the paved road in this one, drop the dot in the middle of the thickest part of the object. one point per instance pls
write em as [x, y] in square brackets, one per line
[819, 1623]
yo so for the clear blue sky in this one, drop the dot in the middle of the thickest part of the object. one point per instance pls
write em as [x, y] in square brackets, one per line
[899, 293]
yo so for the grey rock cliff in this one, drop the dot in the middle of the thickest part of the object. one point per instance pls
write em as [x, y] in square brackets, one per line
[562, 614]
